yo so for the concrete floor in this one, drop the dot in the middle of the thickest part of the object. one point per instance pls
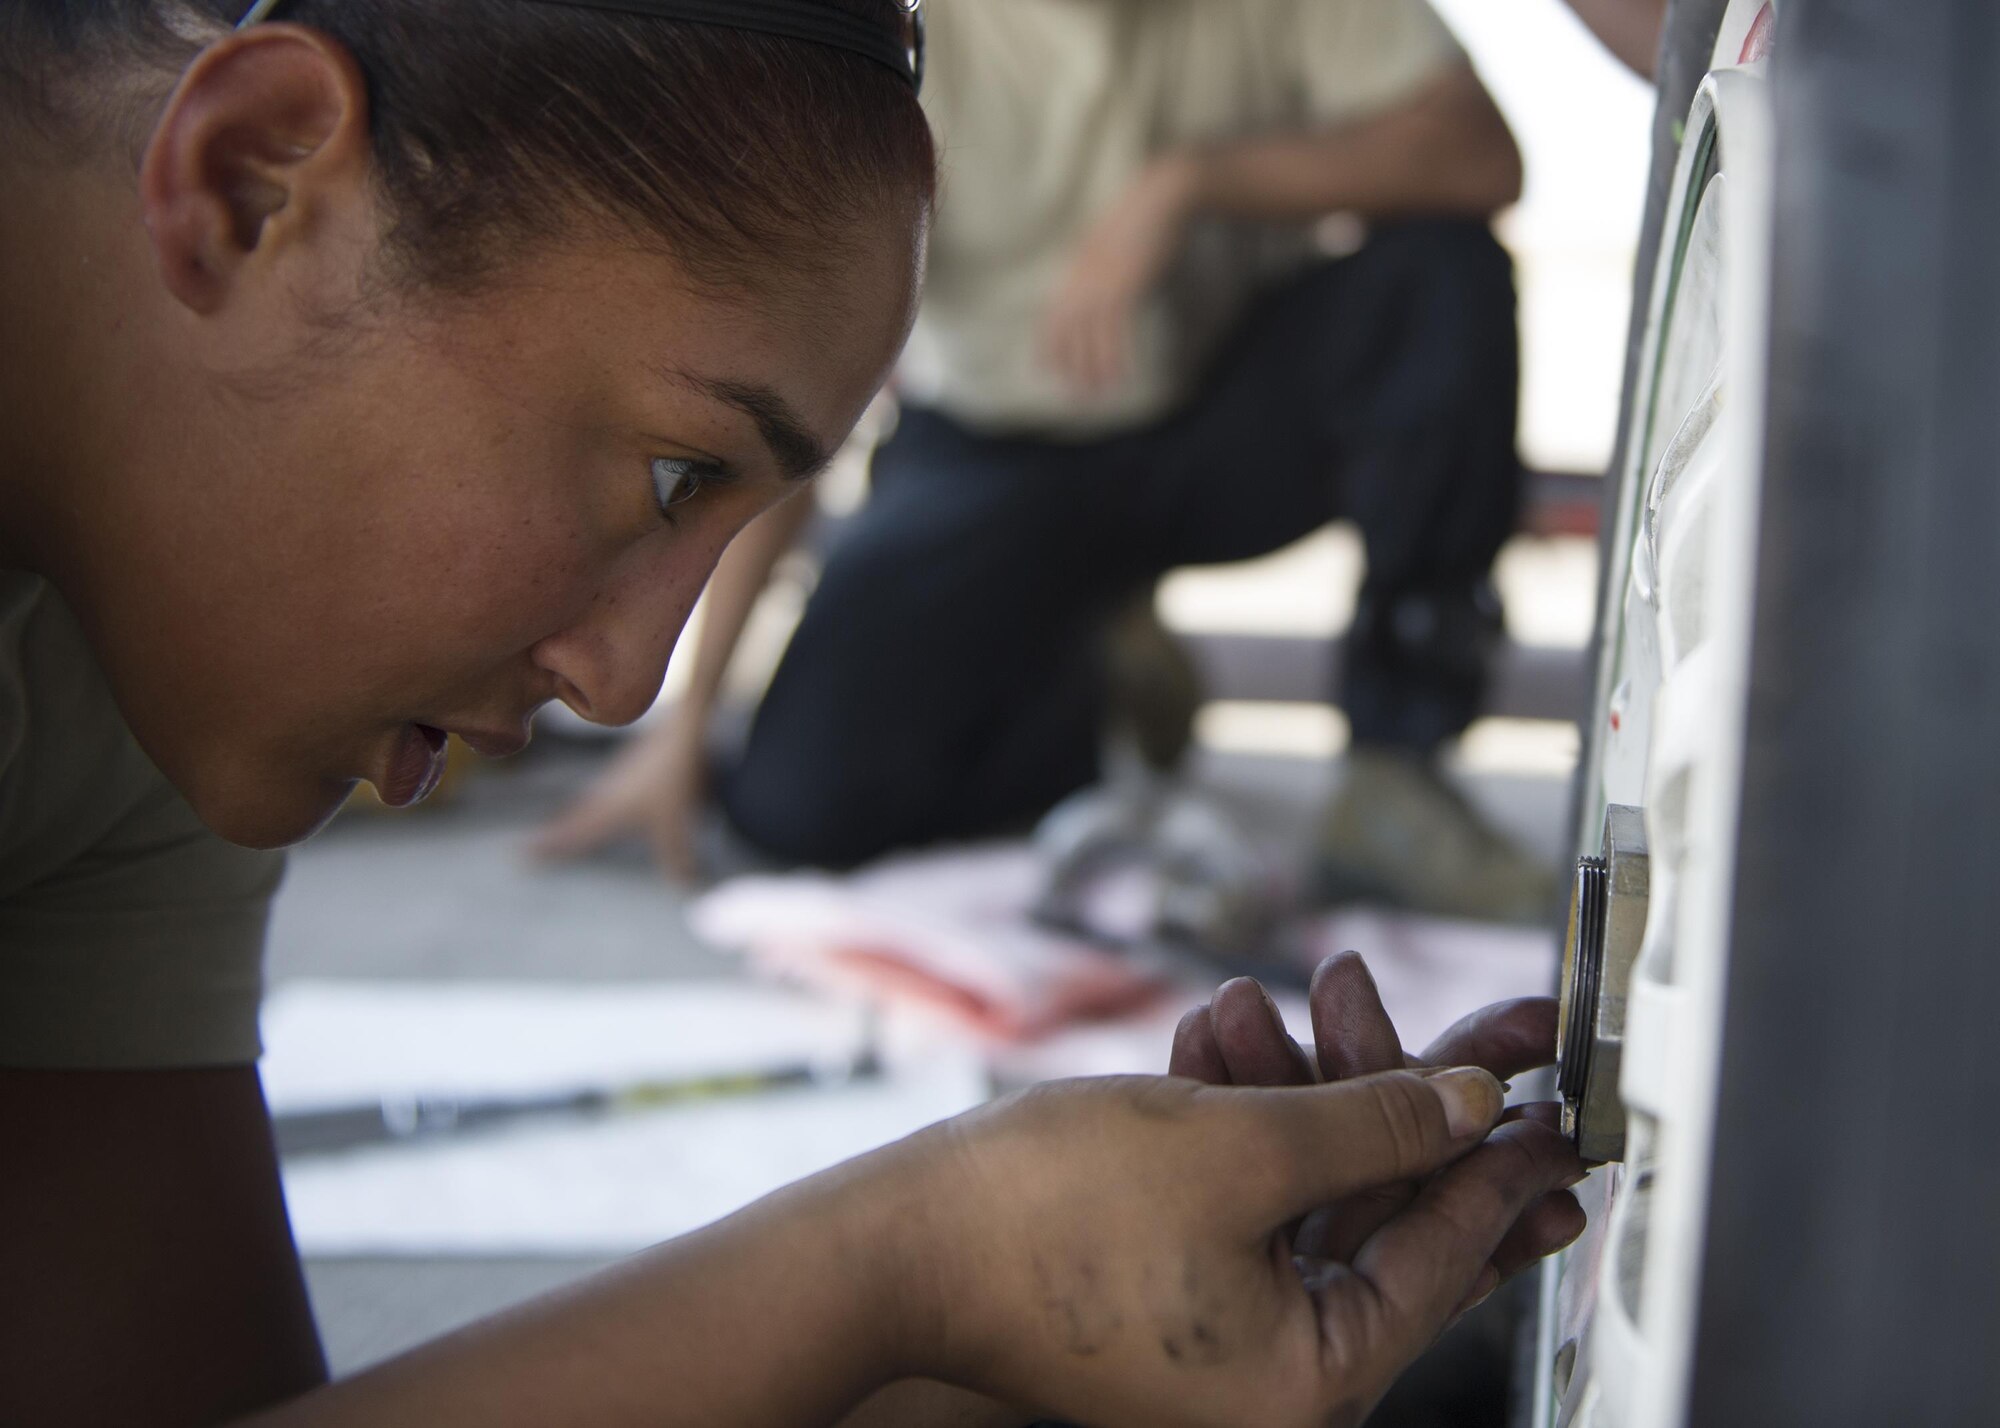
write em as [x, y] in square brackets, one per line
[447, 891]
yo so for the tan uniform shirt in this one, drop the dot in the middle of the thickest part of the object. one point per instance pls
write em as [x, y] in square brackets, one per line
[130, 936]
[1047, 109]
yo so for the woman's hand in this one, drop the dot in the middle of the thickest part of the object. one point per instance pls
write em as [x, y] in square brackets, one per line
[1086, 332]
[1119, 1251]
[652, 789]
[1239, 1039]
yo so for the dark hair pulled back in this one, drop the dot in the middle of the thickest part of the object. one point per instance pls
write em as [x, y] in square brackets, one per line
[497, 123]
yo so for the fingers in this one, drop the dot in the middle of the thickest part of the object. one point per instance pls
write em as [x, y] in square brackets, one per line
[1337, 1231]
[1546, 1226]
[1506, 1038]
[1086, 336]
[659, 771]
[1195, 1053]
[1108, 338]
[673, 846]
[1552, 1222]
[1357, 1135]
[581, 829]
[627, 806]
[1352, 1032]
[1239, 1039]
[1355, 1037]
[1087, 350]
[1548, 1113]
[1417, 1271]
[1250, 1034]
[1059, 344]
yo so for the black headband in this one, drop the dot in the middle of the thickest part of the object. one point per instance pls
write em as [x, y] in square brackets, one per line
[811, 20]
[820, 23]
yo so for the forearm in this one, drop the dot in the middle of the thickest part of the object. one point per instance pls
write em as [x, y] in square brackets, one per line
[740, 577]
[784, 1315]
[1446, 152]
[921, 1403]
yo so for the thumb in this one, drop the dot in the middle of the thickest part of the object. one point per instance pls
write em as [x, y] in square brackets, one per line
[1345, 1136]
[1416, 1272]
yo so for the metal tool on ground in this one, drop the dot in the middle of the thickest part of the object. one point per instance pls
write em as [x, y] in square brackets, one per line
[396, 1119]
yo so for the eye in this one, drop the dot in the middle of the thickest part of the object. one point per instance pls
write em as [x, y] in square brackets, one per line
[677, 480]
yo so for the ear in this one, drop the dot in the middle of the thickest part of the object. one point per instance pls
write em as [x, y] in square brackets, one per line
[264, 139]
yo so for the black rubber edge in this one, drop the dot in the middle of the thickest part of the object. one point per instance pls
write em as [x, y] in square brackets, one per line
[1852, 1266]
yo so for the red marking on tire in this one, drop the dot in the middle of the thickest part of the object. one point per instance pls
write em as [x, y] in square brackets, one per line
[1757, 44]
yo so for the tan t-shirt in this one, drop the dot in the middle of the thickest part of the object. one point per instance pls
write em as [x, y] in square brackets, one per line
[1047, 109]
[130, 936]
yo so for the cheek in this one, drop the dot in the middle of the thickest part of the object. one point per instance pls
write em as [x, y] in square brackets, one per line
[429, 608]
[633, 600]
[646, 597]
[501, 595]
[495, 531]
[477, 599]
[650, 591]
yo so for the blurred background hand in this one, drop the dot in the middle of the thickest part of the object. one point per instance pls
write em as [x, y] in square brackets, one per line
[1087, 327]
[652, 789]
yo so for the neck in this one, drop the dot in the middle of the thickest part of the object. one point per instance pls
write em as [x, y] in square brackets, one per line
[71, 247]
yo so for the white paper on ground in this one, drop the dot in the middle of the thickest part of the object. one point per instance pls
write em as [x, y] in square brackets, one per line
[576, 1186]
[331, 1043]
[605, 1187]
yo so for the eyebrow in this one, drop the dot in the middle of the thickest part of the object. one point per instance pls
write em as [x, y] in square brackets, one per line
[799, 454]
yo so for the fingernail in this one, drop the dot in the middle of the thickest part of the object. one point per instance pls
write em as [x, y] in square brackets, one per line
[1482, 1290]
[1542, 1113]
[1471, 1100]
[1277, 1017]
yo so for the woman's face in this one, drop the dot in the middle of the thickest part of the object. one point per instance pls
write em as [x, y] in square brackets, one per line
[457, 511]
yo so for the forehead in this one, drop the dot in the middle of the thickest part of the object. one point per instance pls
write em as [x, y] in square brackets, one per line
[815, 333]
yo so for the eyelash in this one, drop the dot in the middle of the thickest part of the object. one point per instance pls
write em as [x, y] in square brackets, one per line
[678, 480]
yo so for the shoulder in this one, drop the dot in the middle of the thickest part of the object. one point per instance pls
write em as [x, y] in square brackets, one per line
[69, 769]
[75, 787]
[109, 883]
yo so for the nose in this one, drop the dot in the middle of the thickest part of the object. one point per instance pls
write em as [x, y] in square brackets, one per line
[608, 664]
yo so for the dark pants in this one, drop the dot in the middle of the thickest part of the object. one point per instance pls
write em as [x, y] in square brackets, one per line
[946, 679]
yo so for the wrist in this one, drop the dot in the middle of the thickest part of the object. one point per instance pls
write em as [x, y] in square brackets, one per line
[899, 1212]
[1180, 178]
[690, 718]
[825, 1266]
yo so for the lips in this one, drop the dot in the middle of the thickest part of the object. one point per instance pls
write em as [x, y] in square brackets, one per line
[416, 763]
[489, 744]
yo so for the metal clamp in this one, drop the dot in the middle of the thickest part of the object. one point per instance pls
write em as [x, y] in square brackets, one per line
[1607, 922]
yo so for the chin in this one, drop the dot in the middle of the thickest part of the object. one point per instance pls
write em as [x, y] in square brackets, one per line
[268, 817]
